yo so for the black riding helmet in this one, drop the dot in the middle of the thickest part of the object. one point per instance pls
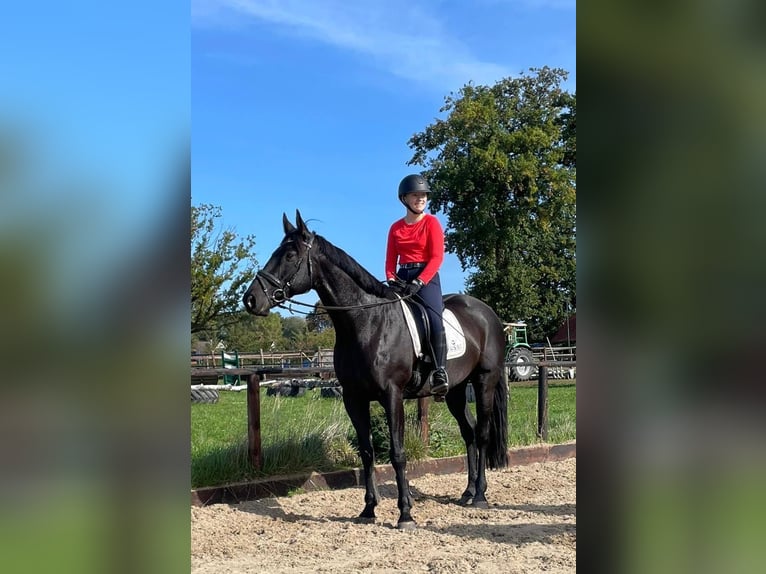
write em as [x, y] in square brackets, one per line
[411, 184]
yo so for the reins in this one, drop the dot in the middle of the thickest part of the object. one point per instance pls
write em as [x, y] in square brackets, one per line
[325, 309]
[322, 309]
[281, 293]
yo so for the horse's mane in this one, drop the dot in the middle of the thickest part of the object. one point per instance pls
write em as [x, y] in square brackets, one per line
[348, 265]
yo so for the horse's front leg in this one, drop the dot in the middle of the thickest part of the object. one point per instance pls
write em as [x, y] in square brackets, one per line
[359, 413]
[394, 408]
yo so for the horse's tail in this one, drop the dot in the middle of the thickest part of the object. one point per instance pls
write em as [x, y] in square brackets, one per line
[497, 451]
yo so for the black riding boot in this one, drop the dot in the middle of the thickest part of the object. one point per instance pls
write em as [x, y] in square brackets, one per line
[439, 381]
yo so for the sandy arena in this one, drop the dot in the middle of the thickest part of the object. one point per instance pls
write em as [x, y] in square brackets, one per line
[529, 527]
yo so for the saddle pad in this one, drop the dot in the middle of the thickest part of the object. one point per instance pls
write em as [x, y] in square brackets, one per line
[452, 329]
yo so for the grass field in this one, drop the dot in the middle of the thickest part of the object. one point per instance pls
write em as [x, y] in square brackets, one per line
[311, 433]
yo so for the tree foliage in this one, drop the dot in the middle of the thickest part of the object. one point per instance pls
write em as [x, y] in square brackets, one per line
[249, 334]
[502, 167]
[299, 333]
[294, 330]
[317, 320]
[221, 267]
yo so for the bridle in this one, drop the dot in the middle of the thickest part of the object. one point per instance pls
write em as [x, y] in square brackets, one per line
[281, 292]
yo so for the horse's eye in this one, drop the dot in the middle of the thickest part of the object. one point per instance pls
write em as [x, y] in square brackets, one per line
[291, 255]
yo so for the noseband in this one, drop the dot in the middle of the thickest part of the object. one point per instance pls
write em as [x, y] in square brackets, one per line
[283, 291]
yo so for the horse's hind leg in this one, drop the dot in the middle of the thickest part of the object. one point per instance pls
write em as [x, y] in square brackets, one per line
[484, 400]
[458, 406]
[359, 413]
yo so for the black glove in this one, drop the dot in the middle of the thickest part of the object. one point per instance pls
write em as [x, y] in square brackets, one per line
[412, 287]
[395, 287]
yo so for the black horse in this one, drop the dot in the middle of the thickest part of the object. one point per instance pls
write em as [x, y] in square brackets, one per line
[374, 358]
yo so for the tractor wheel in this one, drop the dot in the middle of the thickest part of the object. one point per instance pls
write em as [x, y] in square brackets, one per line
[295, 391]
[209, 396]
[331, 392]
[520, 355]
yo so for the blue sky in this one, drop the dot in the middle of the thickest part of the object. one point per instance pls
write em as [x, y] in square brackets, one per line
[309, 104]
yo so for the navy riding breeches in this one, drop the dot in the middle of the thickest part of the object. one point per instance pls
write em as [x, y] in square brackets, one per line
[431, 295]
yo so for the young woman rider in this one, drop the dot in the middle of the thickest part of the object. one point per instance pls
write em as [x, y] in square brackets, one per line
[416, 244]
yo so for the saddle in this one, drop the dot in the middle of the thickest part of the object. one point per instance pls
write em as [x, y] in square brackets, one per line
[416, 317]
[420, 329]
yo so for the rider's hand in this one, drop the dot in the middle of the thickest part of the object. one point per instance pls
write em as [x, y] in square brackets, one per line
[412, 287]
[396, 284]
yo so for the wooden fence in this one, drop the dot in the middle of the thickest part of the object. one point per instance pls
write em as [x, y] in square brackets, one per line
[256, 375]
[293, 359]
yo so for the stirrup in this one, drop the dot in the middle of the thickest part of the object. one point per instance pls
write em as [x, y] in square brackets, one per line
[441, 387]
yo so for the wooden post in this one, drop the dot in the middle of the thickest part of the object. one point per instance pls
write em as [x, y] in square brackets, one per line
[423, 403]
[542, 402]
[254, 420]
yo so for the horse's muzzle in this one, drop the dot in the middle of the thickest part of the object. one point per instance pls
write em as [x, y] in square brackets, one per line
[251, 304]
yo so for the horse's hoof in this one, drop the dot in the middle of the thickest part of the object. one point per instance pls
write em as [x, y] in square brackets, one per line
[365, 520]
[407, 525]
[465, 501]
[480, 504]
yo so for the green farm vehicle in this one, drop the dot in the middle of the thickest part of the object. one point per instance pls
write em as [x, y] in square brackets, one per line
[518, 350]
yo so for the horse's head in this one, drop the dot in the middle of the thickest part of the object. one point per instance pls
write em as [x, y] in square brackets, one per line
[286, 273]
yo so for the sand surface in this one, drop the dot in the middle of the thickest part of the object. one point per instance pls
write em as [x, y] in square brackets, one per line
[529, 527]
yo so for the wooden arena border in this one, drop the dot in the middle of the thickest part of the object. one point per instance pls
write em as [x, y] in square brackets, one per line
[283, 485]
[256, 376]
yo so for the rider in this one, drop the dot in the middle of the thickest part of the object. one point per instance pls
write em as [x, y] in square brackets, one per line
[417, 242]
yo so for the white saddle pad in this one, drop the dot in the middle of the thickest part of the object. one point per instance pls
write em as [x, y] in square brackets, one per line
[452, 329]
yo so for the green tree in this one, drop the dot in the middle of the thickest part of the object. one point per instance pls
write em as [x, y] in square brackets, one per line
[320, 330]
[250, 334]
[221, 268]
[317, 320]
[320, 340]
[502, 168]
[294, 332]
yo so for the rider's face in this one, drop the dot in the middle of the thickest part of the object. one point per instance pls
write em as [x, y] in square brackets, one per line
[417, 200]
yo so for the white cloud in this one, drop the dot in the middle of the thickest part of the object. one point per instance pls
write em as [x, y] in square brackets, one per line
[400, 36]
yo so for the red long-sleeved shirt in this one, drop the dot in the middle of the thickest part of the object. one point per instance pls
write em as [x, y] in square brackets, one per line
[421, 242]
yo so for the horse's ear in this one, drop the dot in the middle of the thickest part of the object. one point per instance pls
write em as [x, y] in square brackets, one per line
[300, 223]
[289, 227]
